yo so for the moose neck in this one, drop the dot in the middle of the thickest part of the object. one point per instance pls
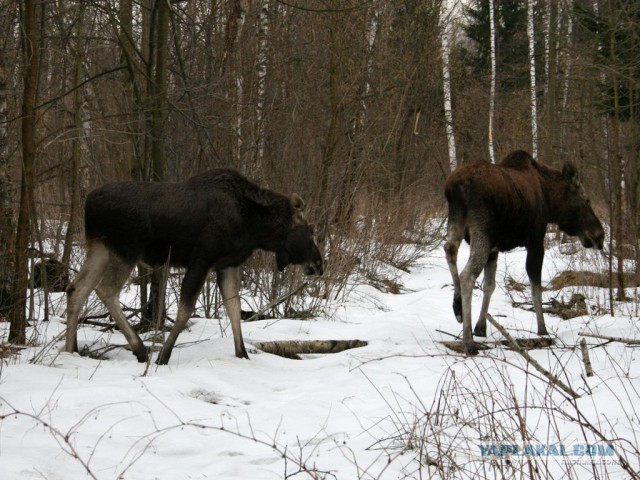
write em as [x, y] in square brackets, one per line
[553, 189]
[268, 229]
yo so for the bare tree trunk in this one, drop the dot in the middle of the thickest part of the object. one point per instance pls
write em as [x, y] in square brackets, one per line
[6, 194]
[31, 38]
[132, 97]
[328, 149]
[76, 163]
[157, 87]
[532, 74]
[445, 36]
[231, 65]
[492, 93]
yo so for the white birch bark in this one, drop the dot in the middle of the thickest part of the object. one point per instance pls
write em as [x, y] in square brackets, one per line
[567, 63]
[263, 43]
[371, 35]
[446, 38]
[239, 80]
[532, 73]
[492, 93]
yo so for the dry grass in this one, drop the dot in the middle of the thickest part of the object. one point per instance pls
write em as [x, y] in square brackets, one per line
[572, 278]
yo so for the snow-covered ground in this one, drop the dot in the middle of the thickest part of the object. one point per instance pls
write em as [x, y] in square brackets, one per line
[402, 407]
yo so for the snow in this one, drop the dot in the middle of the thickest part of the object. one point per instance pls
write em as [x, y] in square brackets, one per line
[373, 412]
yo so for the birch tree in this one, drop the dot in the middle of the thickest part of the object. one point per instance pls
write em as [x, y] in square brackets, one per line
[532, 74]
[492, 92]
[261, 64]
[446, 38]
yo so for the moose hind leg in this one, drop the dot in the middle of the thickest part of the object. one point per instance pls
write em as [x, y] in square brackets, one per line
[77, 292]
[489, 285]
[478, 258]
[115, 276]
[454, 238]
[229, 283]
[191, 285]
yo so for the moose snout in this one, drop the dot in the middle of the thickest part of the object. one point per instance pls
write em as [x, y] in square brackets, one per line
[593, 239]
[315, 268]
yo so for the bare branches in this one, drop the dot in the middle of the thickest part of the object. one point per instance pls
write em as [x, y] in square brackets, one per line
[555, 381]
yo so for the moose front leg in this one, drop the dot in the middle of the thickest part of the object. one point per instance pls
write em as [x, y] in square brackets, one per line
[535, 257]
[191, 286]
[229, 283]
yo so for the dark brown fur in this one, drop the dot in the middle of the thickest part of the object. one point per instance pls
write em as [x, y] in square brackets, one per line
[499, 207]
[213, 220]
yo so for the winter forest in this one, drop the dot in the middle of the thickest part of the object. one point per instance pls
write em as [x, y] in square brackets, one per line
[363, 108]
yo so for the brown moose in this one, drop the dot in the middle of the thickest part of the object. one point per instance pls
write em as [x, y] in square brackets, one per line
[496, 208]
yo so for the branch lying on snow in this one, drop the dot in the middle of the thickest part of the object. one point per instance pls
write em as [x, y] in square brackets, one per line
[555, 381]
[585, 358]
[628, 341]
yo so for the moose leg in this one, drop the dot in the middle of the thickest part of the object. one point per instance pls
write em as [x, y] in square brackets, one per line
[229, 283]
[454, 238]
[77, 292]
[191, 285]
[478, 258]
[115, 276]
[534, 271]
[489, 285]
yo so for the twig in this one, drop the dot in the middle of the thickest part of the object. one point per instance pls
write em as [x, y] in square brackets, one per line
[628, 341]
[585, 358]
[278, 301]
[447, 333]
[555, 381]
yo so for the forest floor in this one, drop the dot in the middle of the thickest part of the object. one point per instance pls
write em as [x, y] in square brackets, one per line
[402, 406]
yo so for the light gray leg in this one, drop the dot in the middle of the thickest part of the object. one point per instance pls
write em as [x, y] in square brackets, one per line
[77, 292]
[535, 257]
[455, 234]
[489, 285]
[477, 260]
[536, 294]
[229, 283]
[115, 276]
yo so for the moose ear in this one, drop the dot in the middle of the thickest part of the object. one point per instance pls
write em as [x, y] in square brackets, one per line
[569, 172]
[297, 202]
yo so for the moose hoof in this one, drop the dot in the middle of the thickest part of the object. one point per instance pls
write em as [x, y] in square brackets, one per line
[470, 348]
[143, 355]
[242, 354]
[480, 332]
[457, 308]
